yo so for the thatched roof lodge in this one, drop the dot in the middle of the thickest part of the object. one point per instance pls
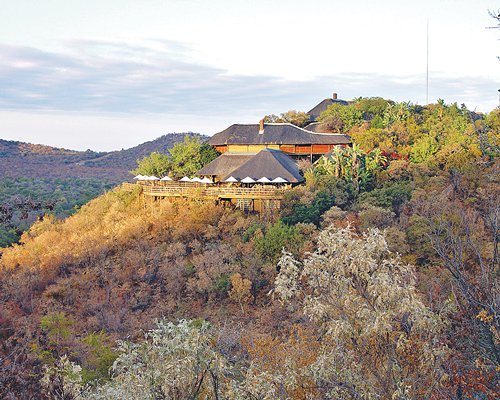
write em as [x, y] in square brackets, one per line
[295, 141]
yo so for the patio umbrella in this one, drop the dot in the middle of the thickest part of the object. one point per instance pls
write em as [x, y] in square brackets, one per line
[196, 179]
[206, 180]
[166, 178]
[264, 180]
[279, 179]
[231, 179]
[154, 178]
[185, 179]
[247, 180]
[138, 177]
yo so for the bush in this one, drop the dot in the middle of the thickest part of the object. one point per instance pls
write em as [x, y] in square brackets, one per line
[275, 238]
[390, 196]
[330, 192]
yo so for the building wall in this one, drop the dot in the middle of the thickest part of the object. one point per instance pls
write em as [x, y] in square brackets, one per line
[298, 149]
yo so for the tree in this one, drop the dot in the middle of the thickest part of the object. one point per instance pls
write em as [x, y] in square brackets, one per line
[241, 289]
[495, 14]
[185, 158]
[175, 361]
[298, 118]
[156, 164]
[341, 117]
[463, 225]
[352, 165]
[276, 237]
[371, 316]
[189, 156]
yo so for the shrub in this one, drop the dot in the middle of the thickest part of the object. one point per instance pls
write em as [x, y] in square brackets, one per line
[275, 238]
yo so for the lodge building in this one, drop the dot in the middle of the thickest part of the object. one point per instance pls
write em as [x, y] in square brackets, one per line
[257, 162]
[290, 139]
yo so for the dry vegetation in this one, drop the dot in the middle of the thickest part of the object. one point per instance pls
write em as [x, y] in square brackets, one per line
[190, 300]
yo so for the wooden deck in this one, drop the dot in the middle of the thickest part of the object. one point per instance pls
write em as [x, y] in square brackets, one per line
[214, 192]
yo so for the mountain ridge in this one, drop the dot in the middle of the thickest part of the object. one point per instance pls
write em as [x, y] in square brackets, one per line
[20, 159]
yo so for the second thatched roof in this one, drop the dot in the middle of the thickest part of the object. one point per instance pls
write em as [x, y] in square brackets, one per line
[225, 164]
[270, 164]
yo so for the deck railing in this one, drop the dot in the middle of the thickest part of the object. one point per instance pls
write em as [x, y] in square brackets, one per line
[214, 191]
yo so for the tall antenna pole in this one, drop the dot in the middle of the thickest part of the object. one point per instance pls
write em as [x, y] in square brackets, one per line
[427, 67]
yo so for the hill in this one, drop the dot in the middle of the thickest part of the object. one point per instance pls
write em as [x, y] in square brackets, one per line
[36, 179]
[18, 159]
[378, 278]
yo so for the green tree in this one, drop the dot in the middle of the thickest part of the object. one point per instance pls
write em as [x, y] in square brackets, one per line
[156, 164]
[341, 117]
[189, 156]
[185, 158]
[297, 118]
[276, 237]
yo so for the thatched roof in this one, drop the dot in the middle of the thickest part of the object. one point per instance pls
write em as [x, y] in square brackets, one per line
[273, 134]
[317, 127]
[224, 164]
[271, 164]
[315, 112]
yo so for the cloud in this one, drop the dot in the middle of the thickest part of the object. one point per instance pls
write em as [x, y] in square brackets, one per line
[159, 76]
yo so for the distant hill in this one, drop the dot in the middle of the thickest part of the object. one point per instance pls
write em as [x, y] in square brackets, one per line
[36, 179]
[18, 159]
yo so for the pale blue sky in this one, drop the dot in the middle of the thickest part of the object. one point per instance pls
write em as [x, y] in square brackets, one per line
[110, 74]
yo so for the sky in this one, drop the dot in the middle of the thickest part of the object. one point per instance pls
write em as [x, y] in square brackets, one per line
[111, 74]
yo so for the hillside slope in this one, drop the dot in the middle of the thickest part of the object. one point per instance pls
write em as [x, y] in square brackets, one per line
[18, 159]
[36, 179]
[390, 264]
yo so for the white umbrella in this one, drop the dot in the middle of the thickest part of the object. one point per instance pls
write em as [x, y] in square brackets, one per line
[231, 179]
[166, 178]
[264, 180]
[279, 179]
[185, 179]
[196, 179]
[247, 180]
[154, 178]
[139, 177]
[206, 180]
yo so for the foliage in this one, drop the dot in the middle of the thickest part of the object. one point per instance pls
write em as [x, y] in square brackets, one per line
[24, 200]
[184, 159]
[189, 156]
[155, 164]
[329, 191]
[57, 325]
[174, 361]
[462, 227]
[352, 165]
[276, 237]
[63, 380]
[101, 357]
[241, 289]
[357, 322]
[340, 118]
[391, 195]
[297, 118]
[279, 367]
[373, 320]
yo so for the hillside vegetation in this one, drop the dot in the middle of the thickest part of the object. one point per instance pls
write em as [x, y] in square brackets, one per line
[38, 179]
[380, 278]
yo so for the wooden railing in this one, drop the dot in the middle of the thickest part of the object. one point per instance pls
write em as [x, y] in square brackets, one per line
[214, 191]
